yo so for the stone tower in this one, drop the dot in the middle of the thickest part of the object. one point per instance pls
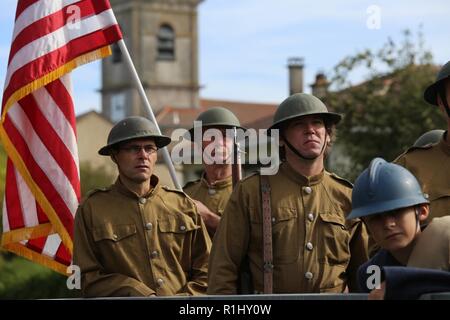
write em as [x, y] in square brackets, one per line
[162, 37]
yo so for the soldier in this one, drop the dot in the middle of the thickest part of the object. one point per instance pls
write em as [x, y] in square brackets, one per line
[138, 238]
[388, 198]
[314, 248]
[431, 163]
[212, 191]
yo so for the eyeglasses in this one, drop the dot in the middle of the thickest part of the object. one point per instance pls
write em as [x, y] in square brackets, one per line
[135, 149]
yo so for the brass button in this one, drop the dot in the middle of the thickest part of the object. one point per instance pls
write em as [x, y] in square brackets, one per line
[154, 254]
[142, 200]
[311, 216]
[115, 237]
[307, 190]
[309, 246]
[308, 275]
[160, 282]
[149, 226]
[211, 192]
[273, 219]
[183, 228]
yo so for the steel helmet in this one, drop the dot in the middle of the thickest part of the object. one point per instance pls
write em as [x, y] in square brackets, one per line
[133, 128]
[383, 187]
[431, 93]
[216, 117]
[432, 136]
[301, 104]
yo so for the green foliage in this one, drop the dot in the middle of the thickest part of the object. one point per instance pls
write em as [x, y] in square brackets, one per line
[22, 279]
[93, 178]
[384, 115]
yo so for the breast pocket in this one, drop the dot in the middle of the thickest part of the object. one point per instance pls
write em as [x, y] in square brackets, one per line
[175, 234]
[114, 233]
[285, 236]
[334, 238]
[116, 243]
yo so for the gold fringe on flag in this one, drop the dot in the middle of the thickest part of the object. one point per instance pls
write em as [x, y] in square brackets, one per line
[10, 240]
[18, 235]
[34, 256]
[54, 75]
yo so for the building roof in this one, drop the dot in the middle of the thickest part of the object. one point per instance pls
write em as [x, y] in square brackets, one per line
[92, 113]
[252, 115]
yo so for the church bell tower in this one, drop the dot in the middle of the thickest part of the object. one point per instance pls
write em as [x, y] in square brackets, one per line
[162, 37]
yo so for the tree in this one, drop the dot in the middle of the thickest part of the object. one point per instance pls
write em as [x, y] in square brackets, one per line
[384, 115]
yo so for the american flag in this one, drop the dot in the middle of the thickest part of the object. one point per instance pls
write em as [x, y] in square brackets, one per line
[38, 129]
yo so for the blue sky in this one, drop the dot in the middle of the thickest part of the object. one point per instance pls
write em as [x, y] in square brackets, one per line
[245, 44]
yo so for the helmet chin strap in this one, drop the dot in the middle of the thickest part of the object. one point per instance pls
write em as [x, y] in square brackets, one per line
[298, 154]
[443, 95]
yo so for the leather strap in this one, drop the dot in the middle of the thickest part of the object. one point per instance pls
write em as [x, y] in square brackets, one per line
[267, 235]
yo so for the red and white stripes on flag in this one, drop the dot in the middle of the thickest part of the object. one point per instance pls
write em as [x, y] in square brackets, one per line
[38, 129]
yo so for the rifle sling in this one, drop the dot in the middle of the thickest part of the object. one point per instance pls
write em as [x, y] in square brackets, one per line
[267, 235]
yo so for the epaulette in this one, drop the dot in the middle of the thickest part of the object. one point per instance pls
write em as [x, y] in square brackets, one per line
[341, 180]
[92, 192]
[190, 183]
[252, 174]
[412, 148]
[170, 189]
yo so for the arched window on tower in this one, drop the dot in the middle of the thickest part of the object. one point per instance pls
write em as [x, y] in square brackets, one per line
[166, 43]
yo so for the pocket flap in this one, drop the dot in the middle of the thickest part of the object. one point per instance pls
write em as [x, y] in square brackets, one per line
[334, 219]
[281, 214]
[114, 232]
[175, 225]
[285, 214]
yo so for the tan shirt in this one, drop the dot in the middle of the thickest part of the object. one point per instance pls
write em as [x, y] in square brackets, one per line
[432, 249]
[126, 245]
[431, 166]
[314, 248]
[214, 197]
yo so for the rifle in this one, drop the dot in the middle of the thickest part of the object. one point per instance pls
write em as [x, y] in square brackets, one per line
[236, 166]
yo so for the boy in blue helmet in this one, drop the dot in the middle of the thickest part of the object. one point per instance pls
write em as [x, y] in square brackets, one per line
[413, 260]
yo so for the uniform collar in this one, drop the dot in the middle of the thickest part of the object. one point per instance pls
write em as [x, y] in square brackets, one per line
[287, 170]
[443, 145]
[121, 188]
[220, 184]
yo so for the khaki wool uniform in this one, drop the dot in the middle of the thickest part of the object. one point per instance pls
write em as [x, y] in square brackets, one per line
[128, 245]
[432, 248]
[431, 166]
[214, 197]
[314, 248]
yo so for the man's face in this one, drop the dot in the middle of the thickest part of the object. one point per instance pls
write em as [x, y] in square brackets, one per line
[307, 135]
[393, 230]
[216, 145]
[136, 159]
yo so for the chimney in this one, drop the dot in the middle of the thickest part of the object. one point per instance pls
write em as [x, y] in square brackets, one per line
[320, 87]
[295, 66]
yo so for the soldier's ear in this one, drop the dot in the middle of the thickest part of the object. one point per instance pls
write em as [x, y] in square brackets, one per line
[424, 211]
[113, 157]
[281, 142]
[328, 139]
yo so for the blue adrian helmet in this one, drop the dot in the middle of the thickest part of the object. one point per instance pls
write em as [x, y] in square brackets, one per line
[383, 187]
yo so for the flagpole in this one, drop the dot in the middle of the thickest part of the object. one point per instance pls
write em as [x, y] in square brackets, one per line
[135, 76]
